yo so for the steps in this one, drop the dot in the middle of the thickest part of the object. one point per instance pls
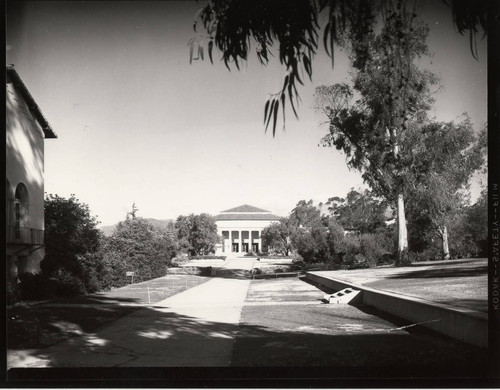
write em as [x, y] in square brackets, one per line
[343, 296]
[233, 273]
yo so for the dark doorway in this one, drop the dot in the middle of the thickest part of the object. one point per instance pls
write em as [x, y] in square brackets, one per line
[244, 247]
[255, 248]
[235, 247]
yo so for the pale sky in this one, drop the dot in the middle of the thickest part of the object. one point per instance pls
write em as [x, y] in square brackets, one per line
[137, 123]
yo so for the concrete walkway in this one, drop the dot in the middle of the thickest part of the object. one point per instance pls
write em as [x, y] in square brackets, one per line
[194, 328]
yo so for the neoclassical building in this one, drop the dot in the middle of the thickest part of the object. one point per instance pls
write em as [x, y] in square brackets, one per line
[241, 228]
[26, 130]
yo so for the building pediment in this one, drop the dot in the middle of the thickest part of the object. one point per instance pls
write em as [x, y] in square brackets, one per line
[246, 208]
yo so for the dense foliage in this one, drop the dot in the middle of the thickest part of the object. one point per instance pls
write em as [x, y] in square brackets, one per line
[389, 95]
[79, 259]
[441, 159]
[71, 237]
[279, 235]
[137, 246]
[321, 238]
[345, 235]
[197, 234]
[360, 210]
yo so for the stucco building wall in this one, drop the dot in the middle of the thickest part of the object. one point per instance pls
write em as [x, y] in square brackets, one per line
[24, 173]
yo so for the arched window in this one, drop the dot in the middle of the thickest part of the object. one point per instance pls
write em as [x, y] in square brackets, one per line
[20, 209]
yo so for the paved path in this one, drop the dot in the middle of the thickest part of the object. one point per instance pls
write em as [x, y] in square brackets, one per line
[194, 328]
[244, 263]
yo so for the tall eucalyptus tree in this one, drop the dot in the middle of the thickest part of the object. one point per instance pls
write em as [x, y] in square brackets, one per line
[389, 94]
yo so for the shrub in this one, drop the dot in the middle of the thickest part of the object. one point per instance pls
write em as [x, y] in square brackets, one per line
[207, 257]
[298, 266]
[372, 248]
[13, 291]
[351, 249]
[359, 261]
[276, 257]
[256, 271]
[432, 252]
[387, 258]
[136, 245]
[67, 285]
[35, 286]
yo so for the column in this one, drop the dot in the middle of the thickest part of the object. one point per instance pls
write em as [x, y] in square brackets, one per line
[240, 248]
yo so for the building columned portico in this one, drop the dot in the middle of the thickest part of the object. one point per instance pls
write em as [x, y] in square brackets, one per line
[241, 229]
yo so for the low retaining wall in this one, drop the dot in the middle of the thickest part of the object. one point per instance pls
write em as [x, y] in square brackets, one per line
[462, 324]
[276, 275]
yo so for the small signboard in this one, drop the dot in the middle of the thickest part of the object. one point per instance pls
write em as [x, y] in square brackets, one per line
[131, 274]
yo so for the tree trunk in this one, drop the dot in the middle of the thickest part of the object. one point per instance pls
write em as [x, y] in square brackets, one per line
[446, 249]
[402, 257]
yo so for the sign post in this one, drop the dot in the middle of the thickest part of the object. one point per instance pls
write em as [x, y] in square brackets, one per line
[131, 274]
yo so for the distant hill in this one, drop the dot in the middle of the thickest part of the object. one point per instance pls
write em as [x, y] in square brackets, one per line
[108, 230]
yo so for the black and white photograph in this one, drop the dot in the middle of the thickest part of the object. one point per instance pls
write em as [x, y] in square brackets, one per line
[241, 193]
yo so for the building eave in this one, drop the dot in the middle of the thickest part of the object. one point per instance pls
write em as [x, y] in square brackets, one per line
[18, 83]
[247, 217]
[246, 208]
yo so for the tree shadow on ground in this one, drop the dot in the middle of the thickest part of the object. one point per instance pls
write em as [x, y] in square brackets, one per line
[368, 354]
[448, 272]
[157, 337]
[475, 304]
[444, 263]
[42, 324]
[92, 299]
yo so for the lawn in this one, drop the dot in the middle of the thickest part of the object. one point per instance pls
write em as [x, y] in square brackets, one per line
[284, 323]
[454, 282]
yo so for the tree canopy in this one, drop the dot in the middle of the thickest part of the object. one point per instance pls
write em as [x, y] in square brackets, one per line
[70, 232]
[305, 214]
[389, 95]
[293, 27]
[137, 246]
[197, 234]
[278, 236]
[359, 210]
[441, 159]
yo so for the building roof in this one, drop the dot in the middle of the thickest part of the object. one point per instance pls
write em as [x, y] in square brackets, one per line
[14, 78]
[246, 208]
[246, 217]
